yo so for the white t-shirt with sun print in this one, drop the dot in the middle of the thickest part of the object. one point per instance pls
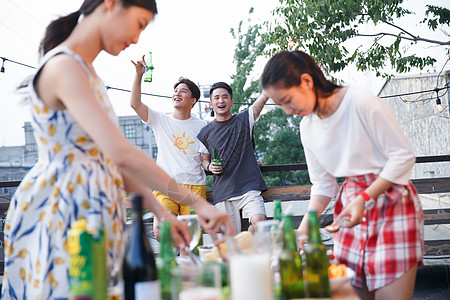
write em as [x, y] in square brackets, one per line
[179, 150]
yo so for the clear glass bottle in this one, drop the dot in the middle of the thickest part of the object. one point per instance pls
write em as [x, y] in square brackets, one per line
[200, 241]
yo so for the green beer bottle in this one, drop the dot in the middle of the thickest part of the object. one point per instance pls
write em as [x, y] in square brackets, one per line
[200, 241]
[165, 260]
[290, 263]
[148, 75]
[217, 159]
[317, 284]
[277, 210]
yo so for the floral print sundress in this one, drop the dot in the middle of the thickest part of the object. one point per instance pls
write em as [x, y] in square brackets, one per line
[71, 180]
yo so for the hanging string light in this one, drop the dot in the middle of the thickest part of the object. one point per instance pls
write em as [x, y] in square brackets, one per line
[2, 70]
[438, 100]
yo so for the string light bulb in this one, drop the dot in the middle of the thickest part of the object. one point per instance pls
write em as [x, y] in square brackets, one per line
[2, 70]
[438, 101]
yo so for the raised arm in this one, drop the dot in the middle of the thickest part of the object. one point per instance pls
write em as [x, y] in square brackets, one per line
[258, 105]
[74, 92]
[135, 99]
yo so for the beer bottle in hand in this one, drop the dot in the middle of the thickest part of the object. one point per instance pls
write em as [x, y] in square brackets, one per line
[290, 263]
[139, 266]
[148, 75]
[217, 159]
[165, 260]
[317, 284]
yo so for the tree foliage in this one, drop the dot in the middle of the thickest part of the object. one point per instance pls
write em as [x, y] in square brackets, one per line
[277, 139]
[276, 135]
[248, 48]
[321, 28]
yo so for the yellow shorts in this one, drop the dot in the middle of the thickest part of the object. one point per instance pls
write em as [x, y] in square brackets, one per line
[177, 207]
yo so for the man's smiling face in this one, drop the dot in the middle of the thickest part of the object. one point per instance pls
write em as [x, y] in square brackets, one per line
[221, 102]
[182, 97]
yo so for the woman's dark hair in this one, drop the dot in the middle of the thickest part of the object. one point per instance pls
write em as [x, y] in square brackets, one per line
[285, 69]
[58, 30]
[195, 91]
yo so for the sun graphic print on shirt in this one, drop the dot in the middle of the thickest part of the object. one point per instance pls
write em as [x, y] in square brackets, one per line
[182, 143]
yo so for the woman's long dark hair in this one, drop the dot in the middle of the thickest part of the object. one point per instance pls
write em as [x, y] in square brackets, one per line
[60, 29]
[285, 69]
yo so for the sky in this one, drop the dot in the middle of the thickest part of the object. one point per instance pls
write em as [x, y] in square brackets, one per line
[187, 38]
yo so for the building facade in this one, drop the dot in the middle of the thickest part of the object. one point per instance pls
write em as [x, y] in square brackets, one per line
[16, 161]
[425, 124]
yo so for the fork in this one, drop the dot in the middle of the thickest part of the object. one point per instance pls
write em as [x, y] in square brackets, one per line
[195, 259]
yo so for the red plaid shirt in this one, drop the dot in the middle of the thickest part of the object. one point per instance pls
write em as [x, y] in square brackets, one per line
[389, 240]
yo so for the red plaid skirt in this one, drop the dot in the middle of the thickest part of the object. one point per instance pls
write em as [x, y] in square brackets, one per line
[389, 240]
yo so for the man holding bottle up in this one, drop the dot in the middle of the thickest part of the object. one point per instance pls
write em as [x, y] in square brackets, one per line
[238, 182]
[176, 137]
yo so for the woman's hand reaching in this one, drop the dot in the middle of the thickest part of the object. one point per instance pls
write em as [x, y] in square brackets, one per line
[180, 230]
[212, 219]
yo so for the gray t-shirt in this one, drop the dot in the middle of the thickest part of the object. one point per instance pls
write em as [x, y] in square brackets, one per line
[233, 140]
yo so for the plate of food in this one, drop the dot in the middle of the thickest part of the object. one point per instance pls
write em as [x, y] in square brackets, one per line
[339, 274]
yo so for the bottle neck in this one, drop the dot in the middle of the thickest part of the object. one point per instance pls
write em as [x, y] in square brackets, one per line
[289, 237]
[138, 235]
[166, 250]
[215, 155]
[277, 211]
[313, 228]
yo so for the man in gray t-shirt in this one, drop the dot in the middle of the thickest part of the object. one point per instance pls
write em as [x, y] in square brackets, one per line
[238, 183]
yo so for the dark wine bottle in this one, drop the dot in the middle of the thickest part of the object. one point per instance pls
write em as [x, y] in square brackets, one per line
[139, 267]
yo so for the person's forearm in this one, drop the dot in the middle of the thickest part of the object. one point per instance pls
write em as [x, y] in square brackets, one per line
[258, 105]
[318, 203]
[379, 186]
[135, 98]
[159, 181]
[205, 164]
[149, 201]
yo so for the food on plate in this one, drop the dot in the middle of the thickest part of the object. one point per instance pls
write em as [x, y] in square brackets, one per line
[243, 240]
[337, 271]
[332, 228]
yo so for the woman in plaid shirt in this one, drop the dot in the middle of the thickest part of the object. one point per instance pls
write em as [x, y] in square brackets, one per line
[348, 132]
